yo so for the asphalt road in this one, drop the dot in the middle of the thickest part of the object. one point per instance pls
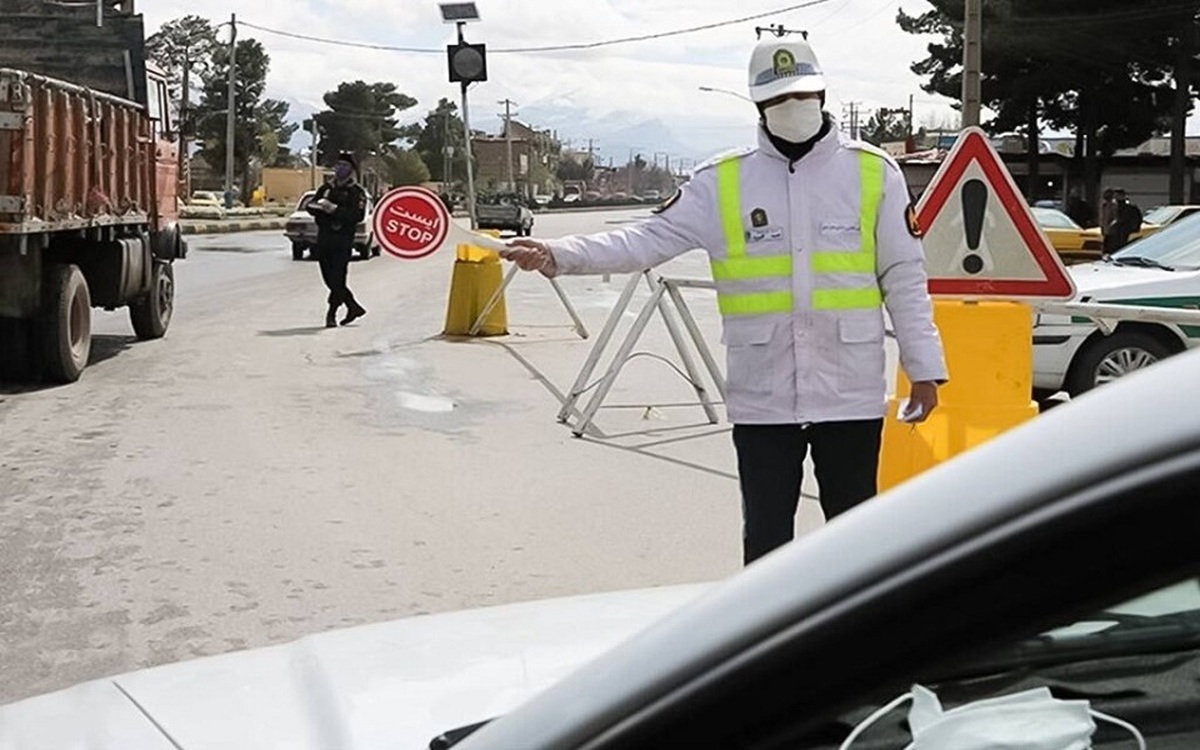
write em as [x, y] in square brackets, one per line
[254, 477]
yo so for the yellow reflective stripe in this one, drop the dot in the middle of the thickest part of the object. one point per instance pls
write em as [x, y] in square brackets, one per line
[871, 167]
[760, 303]
[863, 260]
[729, 198]
[844, 262]
[752, 267]
[847, 299]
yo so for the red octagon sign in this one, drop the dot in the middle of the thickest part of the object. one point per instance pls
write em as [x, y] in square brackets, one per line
[411, 222]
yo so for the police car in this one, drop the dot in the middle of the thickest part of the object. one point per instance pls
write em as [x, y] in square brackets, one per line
[1162, 270]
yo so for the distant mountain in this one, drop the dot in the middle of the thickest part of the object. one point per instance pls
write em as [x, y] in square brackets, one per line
[616, 135]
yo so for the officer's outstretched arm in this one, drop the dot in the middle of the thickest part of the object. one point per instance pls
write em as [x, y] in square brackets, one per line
[900, 265]
[683, 222]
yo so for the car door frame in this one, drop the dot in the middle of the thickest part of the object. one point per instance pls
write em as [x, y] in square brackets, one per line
[1073, 556]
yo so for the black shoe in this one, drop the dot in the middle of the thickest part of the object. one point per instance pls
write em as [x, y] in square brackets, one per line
[331, 318]
[356, 312]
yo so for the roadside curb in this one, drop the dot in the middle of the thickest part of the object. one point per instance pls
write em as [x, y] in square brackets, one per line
[227, 227]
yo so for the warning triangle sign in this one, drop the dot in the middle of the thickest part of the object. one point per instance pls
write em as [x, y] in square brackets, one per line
[980, 238]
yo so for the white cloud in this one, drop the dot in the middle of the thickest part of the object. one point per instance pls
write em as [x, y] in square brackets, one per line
[865, 55]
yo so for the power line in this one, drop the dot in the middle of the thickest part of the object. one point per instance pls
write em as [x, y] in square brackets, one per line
[552, 48]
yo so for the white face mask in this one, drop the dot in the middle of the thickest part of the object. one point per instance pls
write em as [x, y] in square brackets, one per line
[795, 120]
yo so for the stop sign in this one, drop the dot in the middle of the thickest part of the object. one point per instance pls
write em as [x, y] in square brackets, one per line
[411, 222]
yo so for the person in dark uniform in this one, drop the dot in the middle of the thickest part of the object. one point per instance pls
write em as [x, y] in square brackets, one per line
[338, 207]
[1126, 222]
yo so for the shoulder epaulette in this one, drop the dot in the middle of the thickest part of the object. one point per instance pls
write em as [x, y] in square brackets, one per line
[737, 153]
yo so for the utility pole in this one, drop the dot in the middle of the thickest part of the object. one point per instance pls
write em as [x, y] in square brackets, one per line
[185, 170]
[972, 63]
[853, 110]
[508, 144]
[1183, 102]
[230, 116]
[909, 141]
[312, 157]
[447, 151]
[99, 13]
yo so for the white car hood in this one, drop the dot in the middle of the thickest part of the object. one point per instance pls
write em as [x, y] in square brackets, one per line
[1109, 281]
[393, 685]
[299, 216]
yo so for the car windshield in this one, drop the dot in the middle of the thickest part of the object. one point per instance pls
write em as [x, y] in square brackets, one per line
[1166, 618]
[1053, 218]
[1161, 214]
[1175, 246]
[1141, 652]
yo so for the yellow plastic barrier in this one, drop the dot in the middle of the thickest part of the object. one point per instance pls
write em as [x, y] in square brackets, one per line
[477, 275]
[989, 352]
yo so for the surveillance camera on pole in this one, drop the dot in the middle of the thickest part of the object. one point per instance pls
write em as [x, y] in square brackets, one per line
[467, 64]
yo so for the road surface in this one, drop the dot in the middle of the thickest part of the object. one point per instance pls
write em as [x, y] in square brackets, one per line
[254, 477]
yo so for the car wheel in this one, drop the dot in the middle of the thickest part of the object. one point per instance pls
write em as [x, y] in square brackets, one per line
[1107, 358]
[297, 251]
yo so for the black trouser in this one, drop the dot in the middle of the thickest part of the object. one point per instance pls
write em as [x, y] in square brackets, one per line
[334, 258]
[771, 470]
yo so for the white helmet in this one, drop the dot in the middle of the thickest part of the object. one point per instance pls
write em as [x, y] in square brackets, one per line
[784, 65]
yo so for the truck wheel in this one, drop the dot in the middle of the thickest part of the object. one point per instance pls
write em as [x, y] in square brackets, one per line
[151, 313]
[364, 251]
[66, 325]
[297, 251]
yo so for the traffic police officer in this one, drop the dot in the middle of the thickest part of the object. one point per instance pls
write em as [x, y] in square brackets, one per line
[809, 235]
[338, 207]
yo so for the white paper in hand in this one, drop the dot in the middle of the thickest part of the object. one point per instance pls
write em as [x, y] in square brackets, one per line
[909, 412]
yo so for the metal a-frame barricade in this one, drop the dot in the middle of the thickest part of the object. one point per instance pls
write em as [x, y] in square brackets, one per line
[664, 293]
[580, 329]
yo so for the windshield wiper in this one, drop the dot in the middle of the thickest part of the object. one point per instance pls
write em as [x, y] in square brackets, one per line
[1141, 260]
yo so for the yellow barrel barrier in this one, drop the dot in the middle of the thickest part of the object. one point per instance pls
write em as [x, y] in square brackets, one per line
[989, 353]
[477, 276]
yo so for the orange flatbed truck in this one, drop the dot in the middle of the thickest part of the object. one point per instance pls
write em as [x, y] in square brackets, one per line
[89, 177]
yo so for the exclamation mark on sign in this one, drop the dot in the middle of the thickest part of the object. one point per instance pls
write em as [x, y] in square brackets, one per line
[974, 203]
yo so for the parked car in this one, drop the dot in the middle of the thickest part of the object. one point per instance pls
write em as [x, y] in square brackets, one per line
[1162, 270]
[1018, 566]
[207, 198]
[1071, 241]
[301, 229]
[1155, 219]
[507, 212]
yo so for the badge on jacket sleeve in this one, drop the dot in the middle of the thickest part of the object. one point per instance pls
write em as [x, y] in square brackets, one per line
[668, 202]
[914, 226]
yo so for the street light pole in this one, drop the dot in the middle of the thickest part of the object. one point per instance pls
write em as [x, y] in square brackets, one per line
[230, 115]
[467, 142]
[713, 90]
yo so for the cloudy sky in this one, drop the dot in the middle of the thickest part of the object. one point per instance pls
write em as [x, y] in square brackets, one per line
[642, 95]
